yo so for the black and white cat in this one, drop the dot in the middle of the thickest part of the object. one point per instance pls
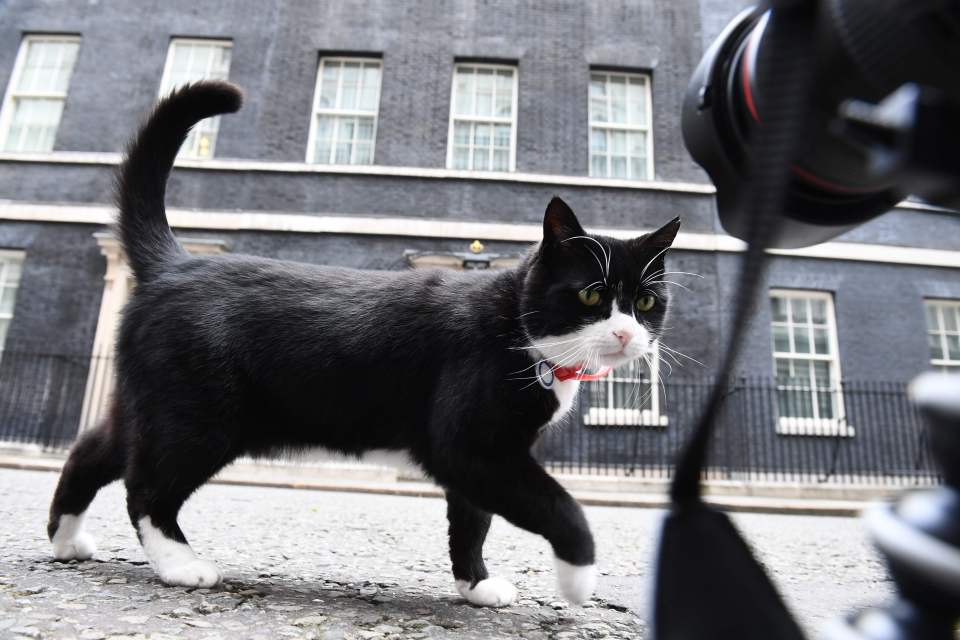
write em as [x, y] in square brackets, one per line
[230, 355]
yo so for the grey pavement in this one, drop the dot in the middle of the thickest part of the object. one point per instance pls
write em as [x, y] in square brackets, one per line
[319, 564]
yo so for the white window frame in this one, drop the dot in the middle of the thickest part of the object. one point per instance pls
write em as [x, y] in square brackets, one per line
[816, 426]
[512, 120]
[622, 126]
[614, 416]
[163, 91]
[6, 113]
[941, 305]
[316, 110]
[7, 256]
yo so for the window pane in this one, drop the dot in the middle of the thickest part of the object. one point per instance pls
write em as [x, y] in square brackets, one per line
[484, 103]
[11, 269]
[481, 161]
[949, 318]
[801, 340]
[502, 136]
[371, 88]
[461, 133]
[781, 339]
[953, 347]
[936, 347]
[598, 166]
[618, 99]
[618, 142]
[504, 94]
[328, 86]
[933, 317]
[821, 373]
[783, 370]
[638, 168]
[501, 160]
[342, 153]
[7, 297]
[349, 85]
[637, 102]
[778, 308]
[365, 129]
[821, 341]
[322, 150]
[618, 167]
[362, 154]
[825, 402]
[461, 158]
[598, 140]
[481, 135]
[798, 309]
[818, 309]
[463, 89]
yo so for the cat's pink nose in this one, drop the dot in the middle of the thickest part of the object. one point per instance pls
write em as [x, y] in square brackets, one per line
[623, 336]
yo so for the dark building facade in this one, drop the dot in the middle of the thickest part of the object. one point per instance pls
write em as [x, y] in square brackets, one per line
[385, 134]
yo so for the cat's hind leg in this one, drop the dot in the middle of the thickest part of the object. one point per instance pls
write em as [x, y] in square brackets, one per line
[159, 480]
[468, 530]
[95, 460]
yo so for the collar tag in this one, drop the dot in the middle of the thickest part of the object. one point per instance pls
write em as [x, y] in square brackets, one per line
[545, 375]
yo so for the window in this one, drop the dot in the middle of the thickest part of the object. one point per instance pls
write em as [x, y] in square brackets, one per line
[189, 61]
[621, 145]
[11, 263]
[629, 396]
[806, 365]
[36, 93]
[345, 105]
[943, 334]
[483, 108]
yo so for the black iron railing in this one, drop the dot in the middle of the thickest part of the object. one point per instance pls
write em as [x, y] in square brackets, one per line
[866, 433]
[861, 433]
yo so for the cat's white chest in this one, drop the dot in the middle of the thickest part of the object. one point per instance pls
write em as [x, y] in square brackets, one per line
[566, 394]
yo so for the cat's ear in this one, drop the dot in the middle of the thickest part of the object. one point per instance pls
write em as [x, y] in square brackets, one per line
[559, 223]
[660, 239]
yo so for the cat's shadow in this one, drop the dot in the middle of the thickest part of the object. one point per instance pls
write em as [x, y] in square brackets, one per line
[390, 603]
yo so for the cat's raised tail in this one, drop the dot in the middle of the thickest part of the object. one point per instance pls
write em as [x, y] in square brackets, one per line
[147, 239]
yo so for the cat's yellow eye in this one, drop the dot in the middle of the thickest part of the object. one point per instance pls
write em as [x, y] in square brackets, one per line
[589, 297]
[646, 302]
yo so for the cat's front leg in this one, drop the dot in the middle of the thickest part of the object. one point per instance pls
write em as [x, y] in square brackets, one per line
[518, 489]
[468, 530]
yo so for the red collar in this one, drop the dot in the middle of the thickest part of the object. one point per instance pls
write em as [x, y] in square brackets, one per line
[578, 373]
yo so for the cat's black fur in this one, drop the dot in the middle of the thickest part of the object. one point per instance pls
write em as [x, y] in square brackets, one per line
[229, 355]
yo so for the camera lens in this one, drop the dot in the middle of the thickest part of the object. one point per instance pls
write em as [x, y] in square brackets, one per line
[865, 50]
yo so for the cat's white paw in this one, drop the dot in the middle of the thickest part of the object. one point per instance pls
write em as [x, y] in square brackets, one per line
[195, 573]
[71, 542]
[492, 592]
[576, 583]
[81, 546]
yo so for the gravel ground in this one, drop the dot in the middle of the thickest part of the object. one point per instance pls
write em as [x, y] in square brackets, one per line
[307, 564]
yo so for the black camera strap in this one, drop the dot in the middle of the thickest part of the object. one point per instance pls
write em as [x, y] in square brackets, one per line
[783, 83]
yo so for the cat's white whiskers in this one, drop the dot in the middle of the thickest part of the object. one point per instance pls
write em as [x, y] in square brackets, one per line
[537, 363]
[659, 253]
[539, 345]
[682, 355]
[684, 287]
[606, 255]
[528, 313]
